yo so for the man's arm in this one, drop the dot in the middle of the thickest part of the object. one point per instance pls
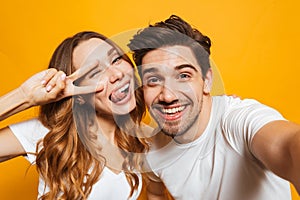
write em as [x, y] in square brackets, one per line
[277, 146]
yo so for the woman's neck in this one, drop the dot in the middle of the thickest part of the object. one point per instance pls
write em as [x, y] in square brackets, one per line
[110, 150]
[107, 126]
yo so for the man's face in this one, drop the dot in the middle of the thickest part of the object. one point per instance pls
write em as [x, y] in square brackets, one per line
[173, 88]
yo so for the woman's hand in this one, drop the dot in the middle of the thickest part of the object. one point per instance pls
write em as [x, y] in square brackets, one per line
[51, 85]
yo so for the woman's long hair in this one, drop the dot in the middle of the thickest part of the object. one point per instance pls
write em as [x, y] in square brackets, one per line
[68, 168]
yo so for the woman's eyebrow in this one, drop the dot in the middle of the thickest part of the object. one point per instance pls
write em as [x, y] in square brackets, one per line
[111, 51]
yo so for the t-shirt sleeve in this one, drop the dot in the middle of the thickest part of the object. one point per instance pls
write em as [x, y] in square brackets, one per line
[29, 133]
[242, 121]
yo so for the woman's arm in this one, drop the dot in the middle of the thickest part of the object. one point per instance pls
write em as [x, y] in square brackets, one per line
[39, 89]
[45, 87]
[10, 146]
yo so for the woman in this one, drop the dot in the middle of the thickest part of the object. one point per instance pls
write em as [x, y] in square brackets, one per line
[85, 134]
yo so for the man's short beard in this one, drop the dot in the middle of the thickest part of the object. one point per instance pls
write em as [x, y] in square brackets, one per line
[182, 132]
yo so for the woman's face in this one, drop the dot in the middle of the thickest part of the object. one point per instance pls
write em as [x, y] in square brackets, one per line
[112, 70]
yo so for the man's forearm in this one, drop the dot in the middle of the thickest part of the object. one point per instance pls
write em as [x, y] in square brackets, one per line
[295, 153]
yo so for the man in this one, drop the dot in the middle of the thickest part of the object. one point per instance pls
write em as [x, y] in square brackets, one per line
[208, 147]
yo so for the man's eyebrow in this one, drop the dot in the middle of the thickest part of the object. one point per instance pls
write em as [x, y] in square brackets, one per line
[186, 66]
[154, 69]
[150, 70]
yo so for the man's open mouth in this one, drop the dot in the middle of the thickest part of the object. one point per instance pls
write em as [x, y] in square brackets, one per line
[169, 111]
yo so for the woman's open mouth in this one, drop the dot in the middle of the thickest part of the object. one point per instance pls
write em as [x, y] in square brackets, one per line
[120, 95]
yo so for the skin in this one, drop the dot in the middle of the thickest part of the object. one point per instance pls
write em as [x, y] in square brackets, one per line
[117, 73]
[172, 81]
[176, 93]
[111, 67]
[167, 87]
[102, 77]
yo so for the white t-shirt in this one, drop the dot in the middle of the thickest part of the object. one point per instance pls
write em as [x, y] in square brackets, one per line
[219, 164]
[110, 185]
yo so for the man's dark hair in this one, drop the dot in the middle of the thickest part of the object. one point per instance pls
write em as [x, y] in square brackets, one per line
[171, 32]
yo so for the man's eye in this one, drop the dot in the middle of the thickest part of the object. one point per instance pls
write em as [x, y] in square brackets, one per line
[152, 81]
[184, 76]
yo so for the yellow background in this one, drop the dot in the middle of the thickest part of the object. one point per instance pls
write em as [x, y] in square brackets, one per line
[255, 47]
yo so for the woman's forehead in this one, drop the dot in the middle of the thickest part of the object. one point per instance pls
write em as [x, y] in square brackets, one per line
[94, 48]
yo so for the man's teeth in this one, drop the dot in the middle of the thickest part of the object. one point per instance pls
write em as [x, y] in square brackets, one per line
[173, 110]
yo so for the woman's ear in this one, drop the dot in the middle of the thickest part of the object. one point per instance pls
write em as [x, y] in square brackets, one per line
[208, 81]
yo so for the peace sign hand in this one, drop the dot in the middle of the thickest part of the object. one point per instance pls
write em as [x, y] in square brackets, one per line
[51, 85]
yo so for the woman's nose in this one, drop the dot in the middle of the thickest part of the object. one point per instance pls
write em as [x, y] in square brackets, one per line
[115, 74]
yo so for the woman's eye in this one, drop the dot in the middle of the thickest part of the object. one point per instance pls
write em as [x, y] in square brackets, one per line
[94, 73]
[117, 60]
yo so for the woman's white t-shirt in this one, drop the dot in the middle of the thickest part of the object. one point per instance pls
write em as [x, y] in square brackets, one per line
[110, 185]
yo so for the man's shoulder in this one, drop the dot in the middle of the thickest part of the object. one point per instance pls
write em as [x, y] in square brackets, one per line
[233, 102]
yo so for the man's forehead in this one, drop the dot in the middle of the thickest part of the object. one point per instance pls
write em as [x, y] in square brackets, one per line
[169, 56]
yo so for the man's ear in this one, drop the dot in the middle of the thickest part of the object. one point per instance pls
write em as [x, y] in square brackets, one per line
[208, 81]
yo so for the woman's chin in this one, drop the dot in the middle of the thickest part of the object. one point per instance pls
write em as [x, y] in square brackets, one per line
[124, 108]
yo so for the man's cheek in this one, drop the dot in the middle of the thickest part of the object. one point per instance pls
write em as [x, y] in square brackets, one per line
[147, 98]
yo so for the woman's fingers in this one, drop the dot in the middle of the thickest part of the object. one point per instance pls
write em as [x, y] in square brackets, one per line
[58, 85]
[55, 80]
[97, 87]
[83, 70]
[49, 73]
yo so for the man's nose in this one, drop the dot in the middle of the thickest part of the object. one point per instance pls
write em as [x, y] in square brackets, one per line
[167, 93]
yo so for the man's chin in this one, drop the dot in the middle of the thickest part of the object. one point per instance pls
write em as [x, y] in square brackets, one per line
[171, 134]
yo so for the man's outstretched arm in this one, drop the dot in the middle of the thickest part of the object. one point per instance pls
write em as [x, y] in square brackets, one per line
[277, 146]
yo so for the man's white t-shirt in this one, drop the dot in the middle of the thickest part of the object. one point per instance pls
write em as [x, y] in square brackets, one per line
[110, 185]
[219, 164]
